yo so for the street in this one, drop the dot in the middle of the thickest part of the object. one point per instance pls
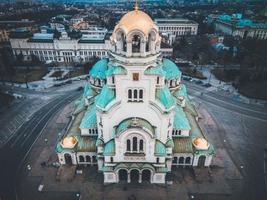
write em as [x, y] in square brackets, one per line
[15, 150]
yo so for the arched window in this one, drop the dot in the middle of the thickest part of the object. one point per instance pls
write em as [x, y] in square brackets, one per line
[157, 160]
[181, 160]
[135, 94]
[128, 145]
[113, 79]
[136, 44]
[111, 159]
[134, 143]
[130, 94]
[140, 94]
[188, 160]
[81, 159]
[88, 159]
[174, 160]
[141, 145]
[157, 80]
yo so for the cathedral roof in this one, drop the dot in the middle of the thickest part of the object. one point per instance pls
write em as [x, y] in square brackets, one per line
[99, 69]
[157, 70]
[109, 148]
[105, 97]
[136, 20]
[181, 92]
[134, 123]
[164, 97]
[114, 70]
[180, 121]
[183, 145]
[88, 91]
[171, 69]
[160, 149]
[89, 118]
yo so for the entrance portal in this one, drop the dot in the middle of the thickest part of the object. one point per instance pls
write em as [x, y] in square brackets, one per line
[134, 174]
[201, 161]
[123, 175]
[146, 176]
[68, 159]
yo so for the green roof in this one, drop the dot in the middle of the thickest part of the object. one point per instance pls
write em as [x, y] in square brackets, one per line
[89, 119]
[105, 97]
[171, 69]
[164, 97]
[183, 145]
[155, 71]
[195, 129]
[80, 105]
[180, 121]
[170, 143]
[160, 149]
[88, 91]
[109, 148]
[134, 122]
[181, 92]
[86, 143]
[114, 70]
[99, 69]
[209, 151]
[190, 107]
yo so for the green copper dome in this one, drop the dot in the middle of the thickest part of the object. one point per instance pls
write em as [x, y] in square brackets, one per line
[171, 69]
[99, 69]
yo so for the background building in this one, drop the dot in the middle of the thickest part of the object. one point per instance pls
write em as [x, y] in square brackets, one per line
[176, 27]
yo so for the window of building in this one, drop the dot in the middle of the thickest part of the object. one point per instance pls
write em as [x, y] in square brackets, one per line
[128, 145]
[111, 159]
[157, 160]
[135, 76]
[135, 95]
[141, 145]
[135, 144]
[157, 80]
[113, 79]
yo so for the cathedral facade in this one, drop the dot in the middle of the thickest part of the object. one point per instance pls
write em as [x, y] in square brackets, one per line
[134, 119]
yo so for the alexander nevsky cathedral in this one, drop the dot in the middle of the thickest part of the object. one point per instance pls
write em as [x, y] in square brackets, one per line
[135, 120]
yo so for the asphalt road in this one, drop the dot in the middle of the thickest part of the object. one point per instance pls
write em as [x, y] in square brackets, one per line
[243, 127]
[13, 153]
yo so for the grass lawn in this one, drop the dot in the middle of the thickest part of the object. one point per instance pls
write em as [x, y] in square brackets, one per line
[57, 74]
[75, 73]
[20, 76]
[188, 71]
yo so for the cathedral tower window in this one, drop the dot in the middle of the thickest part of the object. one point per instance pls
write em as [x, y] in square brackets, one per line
[141, 145]
[157, 80]
[135, 144]
[135, 95]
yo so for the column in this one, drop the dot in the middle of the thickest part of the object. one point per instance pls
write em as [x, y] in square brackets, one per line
[129, 49]
[143, 48]
[129, 178]
[140, 178]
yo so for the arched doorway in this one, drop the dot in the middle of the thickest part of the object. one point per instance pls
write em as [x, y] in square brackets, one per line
[146, 176]
[134, 174]
[68, 159]
[201, 161]
[123, 174]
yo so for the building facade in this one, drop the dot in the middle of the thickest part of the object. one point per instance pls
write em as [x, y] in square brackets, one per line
[134, 119]
[236, 26]
[176, 27]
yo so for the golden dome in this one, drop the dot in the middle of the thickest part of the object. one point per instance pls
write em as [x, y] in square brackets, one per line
[201, 144]
[136, 20]
[69, 142]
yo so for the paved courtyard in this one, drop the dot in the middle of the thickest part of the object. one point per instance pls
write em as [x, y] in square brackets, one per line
[64, 183]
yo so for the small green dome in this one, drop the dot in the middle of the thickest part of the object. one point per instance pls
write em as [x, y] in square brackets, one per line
[99, 69]
[171, 69]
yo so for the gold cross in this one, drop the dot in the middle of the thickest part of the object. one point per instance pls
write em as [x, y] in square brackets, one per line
[136, 5]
